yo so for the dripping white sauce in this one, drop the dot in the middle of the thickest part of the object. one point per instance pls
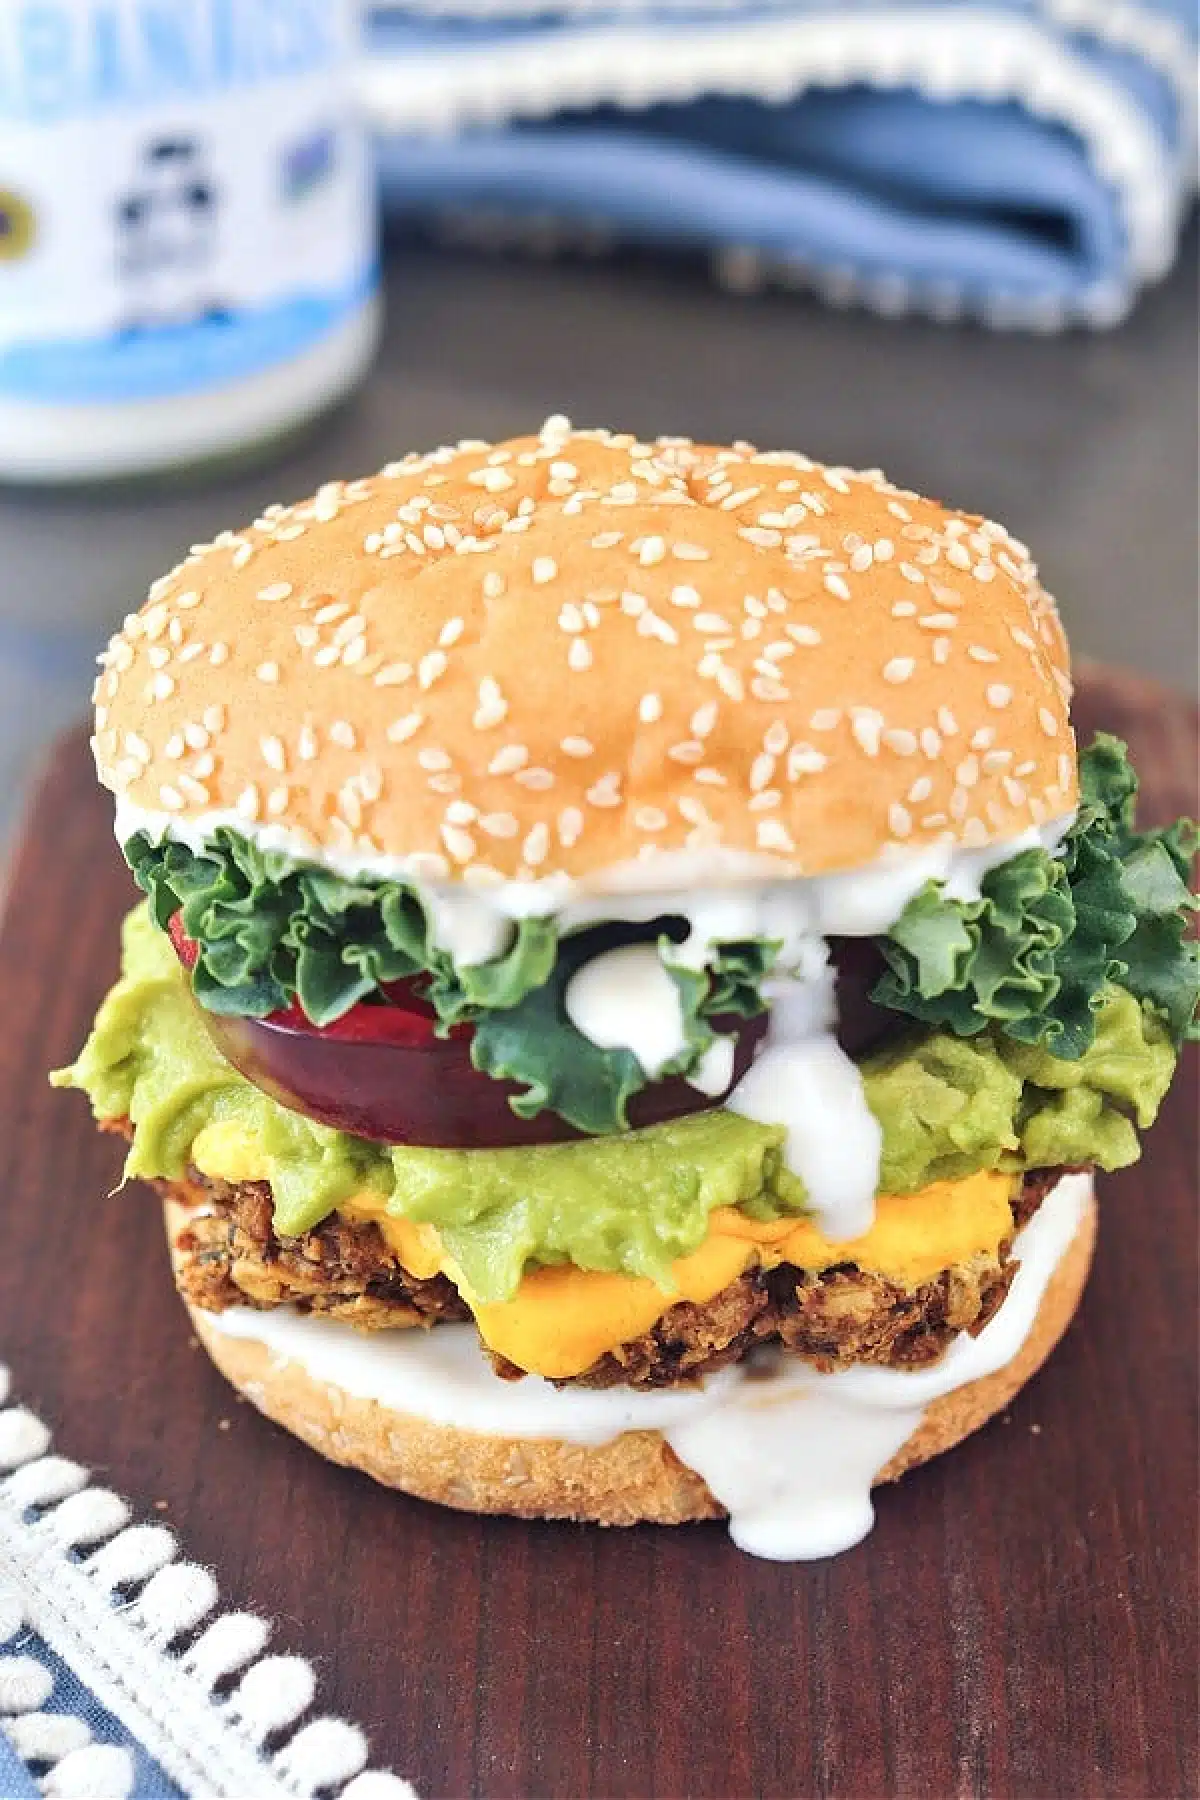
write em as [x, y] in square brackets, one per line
[800, 1079]
[626, 1000]
[791, 1454]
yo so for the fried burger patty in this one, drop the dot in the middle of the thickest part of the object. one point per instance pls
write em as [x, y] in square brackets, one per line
[229, 1254]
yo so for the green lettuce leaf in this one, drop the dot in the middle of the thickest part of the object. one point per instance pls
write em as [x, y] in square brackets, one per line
[270, 931]
[1032, 957]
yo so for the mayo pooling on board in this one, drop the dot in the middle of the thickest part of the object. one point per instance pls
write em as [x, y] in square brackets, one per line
[187, 230]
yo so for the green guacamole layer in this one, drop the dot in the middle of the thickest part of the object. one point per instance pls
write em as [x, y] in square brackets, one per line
[634, 1202]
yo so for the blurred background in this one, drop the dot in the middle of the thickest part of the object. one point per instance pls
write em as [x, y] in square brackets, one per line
[949, 239]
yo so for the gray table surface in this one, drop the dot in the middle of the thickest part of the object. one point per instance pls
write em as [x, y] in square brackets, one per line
[1085, 446]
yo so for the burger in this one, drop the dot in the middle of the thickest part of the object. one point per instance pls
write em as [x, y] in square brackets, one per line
[634, 979]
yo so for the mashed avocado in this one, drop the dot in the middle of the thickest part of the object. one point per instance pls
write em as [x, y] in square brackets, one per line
[631, 1203]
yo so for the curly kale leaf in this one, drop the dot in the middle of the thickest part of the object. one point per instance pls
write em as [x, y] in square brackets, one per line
[536, 1043]
[1032, 956]
[270, 931]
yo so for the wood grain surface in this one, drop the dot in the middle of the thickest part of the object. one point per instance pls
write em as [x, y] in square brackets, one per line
[1020, 1623]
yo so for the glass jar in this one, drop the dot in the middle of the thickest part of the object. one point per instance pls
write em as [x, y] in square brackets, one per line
[188, 263]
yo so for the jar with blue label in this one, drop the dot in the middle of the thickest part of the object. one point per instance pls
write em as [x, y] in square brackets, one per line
[188, 263]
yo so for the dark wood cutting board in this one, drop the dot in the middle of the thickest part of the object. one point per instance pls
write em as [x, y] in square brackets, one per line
[1021, 1622]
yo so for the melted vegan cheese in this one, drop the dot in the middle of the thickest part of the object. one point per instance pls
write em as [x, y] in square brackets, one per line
[562, 1319]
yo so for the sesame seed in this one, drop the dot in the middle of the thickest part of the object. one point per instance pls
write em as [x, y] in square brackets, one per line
[998, 695]
[400, 730]
[866, 726]
[579, 656]
[461, 812]
[343, 733]
[268, 672]
[826, 718]
[981, 654]
[771, 835]
[967, 772]
[902, 742]
[494, 585]
[1047, 721]
[651, 550]
[394, 674]
[808, 635]
[276, 590]
[651, 625]
[577, 746]
[544, 569]
[492, 708]
[899, 668]
[246, 804]
[947, 722]
[1064, 772]
[690, 552]
[607, 540]
[1022, 638]
[683, 595]
[931, 743]
[730, 683]
[570, 826]
[327, 655]
[606, 791]
[161, 688]
[459, 843]
[862, 558]
[306, 636]
[899, 820]
[712, 777]
[920, 790]
[833, 584]
[650, 709]
[761, 771]
[537, 844]
[435, 761]
[450, 633]
[508, 760]
[537, 779]
[940, 621]
[171, 798]
[499, 824]
[650, 818]
[174, 746]
[941, 650]
[431, 667]
[803, 759]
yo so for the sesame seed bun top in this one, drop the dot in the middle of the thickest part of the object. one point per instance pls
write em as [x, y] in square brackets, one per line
[568, 651]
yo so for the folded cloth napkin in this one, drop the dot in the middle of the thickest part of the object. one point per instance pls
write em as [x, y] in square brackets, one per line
[1023, 162]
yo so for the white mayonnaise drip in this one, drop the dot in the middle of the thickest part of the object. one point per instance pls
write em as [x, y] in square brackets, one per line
[791, 1454]
[625, 999]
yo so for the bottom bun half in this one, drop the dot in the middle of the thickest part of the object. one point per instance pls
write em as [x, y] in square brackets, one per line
[636, 1478]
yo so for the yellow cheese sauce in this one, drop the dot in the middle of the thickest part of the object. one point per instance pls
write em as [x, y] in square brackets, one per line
[563, 1318]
